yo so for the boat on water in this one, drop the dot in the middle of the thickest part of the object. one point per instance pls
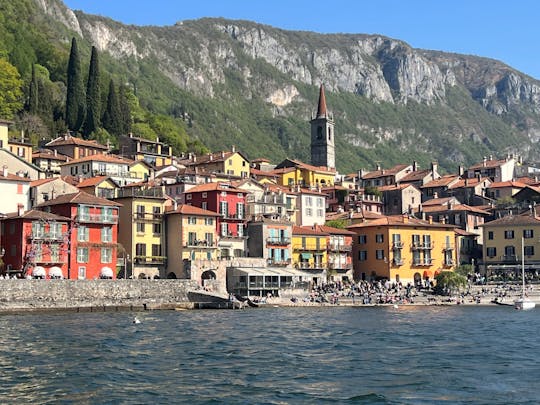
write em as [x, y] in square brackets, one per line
[523, 303]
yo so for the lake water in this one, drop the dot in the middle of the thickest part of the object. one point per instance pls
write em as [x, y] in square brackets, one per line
[382, 355]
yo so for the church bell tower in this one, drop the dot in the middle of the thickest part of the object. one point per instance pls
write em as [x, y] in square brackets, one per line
[322, 135]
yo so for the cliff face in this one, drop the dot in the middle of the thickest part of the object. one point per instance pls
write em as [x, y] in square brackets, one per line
[276, 66]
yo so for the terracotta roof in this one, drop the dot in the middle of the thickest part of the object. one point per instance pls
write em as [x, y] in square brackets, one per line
[36, 214]
[503, 184]
[393, 187]
[72, 140]
[400, 221]
[489, 164]
[455, 207]
[100, 157]
[438, 201]
[302, 165]
[441, 182]
[307, 230]
[384, 172]
[462, 232]
[415, 176]
[465, 183]
[186, 209]
[355, 215]
[79, 198]
[514, 220]
[217, 186]
[527, 180]
[37, 183]
[92, 181]
[14, 177]
[49, 155]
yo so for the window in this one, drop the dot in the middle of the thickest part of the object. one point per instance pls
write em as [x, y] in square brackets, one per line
[82, 254]
[140, 227]
[240, 210]
[156, 250]
[204, 205]
[319, 202]
[309, 201]
[224, 229]
[192, 220]
[209, 221]
[82, 234]
[379, 238]
[510, 252]
[140, 211]
[157, 212]
[309, 212]
[362, 255]
[156, 229]
[209, 237]
[55, 253]
[204, 195]
[82, 272]
[140, 249]
[490, 235]
[84, 212]
[491, 251]
[106, 255]
[192, 238]
[508, 234]
[38, 230]
[379, 254]
[529, 250]
[240, 230]
[188, 196]
[55, 230]
[107, 214]
[224, 208]
[320, 213]
[106, 235]
[362, 239]
[528, 233]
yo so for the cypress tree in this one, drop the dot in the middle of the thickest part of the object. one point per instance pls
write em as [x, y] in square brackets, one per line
[111, 117]
[125, 111]
[33, 101]
[93, 97]
[75, 99]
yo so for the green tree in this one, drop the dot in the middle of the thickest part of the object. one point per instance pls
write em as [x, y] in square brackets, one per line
[464, 269]
[93, 96]
[75, 98]
[111, 117]
[449, 282]
[33, 100]
[125, 110]
[369, 190]
[337, 223]
[11, 93]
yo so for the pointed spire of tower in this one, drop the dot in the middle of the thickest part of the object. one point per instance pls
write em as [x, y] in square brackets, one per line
[321, 109]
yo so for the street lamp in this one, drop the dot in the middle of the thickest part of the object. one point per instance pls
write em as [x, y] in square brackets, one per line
[126, 264]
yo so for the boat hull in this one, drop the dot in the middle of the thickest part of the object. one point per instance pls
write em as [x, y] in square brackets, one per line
[524, 304]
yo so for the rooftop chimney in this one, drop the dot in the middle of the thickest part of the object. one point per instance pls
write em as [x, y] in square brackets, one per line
[4, 171]
[430, 219]
[20, 209]
[233, 148]
[414, 165]
[484, 161]
[461, 170]
[434, 170]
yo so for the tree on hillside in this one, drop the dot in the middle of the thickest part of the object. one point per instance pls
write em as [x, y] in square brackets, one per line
[33, 100]
[93, 96]
[75, 98]
[111, 117]
[11, 94]
[125, 111]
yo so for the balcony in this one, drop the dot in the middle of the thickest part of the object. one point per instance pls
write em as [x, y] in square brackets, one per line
[397, 245]
[279, 262]
[334, 247]
[340, 266]
[150, 259]
[156, 192]
[397, 262]
[422, 246]
[147, 216]
[233, 236]
[425, 262]
[509, 258]
[97, 218]
[47, 236]
[200, 244]
[311, 266]
[449, 262]
[230, 215]
[448, 247]
[278, 241]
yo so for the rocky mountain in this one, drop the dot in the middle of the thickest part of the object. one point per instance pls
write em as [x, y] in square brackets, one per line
[256, 86]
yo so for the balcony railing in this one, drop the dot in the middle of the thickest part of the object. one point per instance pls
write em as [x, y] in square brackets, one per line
[150, 259]
[424, 262]
[46, 236]
[279, 262]
[311, 266]
[278, 241]
[137, 192]
[397, 245]
[335, 247]
[397, 262]
[422, 246]
[340, 266]
[201, 244]
[97, 218]
[448, 247]
[449, 262]
[148, 216]
[230, 215]
[509, 258]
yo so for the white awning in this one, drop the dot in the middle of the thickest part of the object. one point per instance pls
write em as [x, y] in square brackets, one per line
[55, 272]
[106, 272]
[38, 271]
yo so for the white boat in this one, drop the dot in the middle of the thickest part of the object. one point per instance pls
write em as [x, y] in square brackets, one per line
[523, 303]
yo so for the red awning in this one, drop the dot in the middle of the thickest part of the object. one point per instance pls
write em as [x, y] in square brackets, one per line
[428, 274]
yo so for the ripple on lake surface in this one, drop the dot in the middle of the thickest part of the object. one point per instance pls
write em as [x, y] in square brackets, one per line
[375, 355]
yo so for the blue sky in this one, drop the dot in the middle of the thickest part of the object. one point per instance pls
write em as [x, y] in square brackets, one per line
[505, 30]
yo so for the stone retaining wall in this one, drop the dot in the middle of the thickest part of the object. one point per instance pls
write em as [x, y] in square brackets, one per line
[74, 294]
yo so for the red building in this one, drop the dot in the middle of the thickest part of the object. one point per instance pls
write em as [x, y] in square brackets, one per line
[93, 234]
[35, 243]
[230, 202]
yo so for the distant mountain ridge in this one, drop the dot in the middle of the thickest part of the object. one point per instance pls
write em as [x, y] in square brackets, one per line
[255, 86]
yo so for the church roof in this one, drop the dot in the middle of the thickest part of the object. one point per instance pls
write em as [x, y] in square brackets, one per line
[321, 108]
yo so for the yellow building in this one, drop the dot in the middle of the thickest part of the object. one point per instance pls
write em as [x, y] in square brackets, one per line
[191, 235]
[140, 231]
[4, 137]
[231, 163]
[503, 240]
[141, 169]
[310, 252]
[293, 172]
[402, 249]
